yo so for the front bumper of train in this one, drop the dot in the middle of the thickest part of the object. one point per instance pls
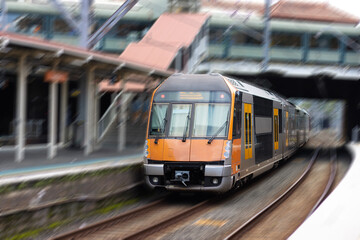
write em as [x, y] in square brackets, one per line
[203, 177]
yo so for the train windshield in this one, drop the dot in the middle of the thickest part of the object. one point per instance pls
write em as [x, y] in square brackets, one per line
[180, 120]
[207, 120]
[158, 119]
[198, 114]
[211, 119]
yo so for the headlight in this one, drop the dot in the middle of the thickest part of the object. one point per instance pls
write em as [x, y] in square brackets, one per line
[228, 148]
[146, 148]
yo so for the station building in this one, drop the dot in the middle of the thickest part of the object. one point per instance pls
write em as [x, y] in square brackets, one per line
[302, 33]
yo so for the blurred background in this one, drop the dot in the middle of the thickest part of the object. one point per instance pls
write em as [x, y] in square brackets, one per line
[77, 77]
[276, 44]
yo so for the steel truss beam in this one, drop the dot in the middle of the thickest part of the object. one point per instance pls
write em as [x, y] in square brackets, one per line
[66, 16]
[110, 23]
[267, 37]
[82, 27]
[3, 16]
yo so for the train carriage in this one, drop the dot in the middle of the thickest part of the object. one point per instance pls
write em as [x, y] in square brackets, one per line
[210, 132]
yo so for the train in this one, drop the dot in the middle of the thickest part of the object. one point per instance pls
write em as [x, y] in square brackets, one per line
[209, 132]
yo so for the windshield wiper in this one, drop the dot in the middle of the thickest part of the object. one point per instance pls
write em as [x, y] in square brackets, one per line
[162, 129]
[220, 129]
[186, 127]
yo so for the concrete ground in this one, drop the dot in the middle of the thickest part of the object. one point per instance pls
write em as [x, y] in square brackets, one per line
[37, 159]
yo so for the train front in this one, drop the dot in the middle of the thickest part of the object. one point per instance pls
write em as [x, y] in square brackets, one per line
[187, 145]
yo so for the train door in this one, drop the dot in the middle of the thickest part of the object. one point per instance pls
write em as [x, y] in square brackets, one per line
[236, 134]
[248, 130]
[276, 129]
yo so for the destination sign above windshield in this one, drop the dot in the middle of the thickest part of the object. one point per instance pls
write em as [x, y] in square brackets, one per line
[196, 96]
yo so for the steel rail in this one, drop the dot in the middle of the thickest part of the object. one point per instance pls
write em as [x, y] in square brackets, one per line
[277, 200]
[146, 232]
[331, 180]
[107, 222]
[93, 228]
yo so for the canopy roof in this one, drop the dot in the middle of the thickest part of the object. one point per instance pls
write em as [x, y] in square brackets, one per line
[46, 52]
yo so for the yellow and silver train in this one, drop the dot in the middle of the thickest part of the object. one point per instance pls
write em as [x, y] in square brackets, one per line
[211, 133]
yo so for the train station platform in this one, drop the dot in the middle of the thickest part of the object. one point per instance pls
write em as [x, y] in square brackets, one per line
[36, 160]
[338, 216]
[71, 184]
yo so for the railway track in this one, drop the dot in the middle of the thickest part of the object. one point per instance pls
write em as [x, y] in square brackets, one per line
[139, 222]
[330, 183]
[163, 217]
[254, 227]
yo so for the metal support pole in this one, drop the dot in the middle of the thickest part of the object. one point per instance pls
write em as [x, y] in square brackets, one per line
[53, 110]
[122, 123]
[48, 27]
[21, 94]
[63, 112]
[342, 50]
[3, 16]
[113, 110]
[355, 134]
[266, 42]
[90, 121]
[96, 117]
[305, 47]
[227, 44]
[84, 25]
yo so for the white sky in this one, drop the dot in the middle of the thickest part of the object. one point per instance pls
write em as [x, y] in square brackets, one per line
[350, 6]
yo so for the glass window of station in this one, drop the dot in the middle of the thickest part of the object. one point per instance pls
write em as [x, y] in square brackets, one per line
[327, 42]
[29, 24]
[60, 26]
[282, 39]
[244, 37]
[353, 43]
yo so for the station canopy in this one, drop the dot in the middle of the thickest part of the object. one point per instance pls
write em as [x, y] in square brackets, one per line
[43, 55]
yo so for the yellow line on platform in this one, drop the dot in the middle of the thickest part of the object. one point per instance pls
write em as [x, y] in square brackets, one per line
[211, 222]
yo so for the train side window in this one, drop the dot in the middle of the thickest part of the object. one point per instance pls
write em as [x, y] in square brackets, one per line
[250, 129]
[280, 121]
[235, 123]
[158, 119]
[275, 128]
[246, 130]
[238, 113]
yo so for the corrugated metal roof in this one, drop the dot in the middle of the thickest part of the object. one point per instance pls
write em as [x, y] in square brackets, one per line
[8, 39]
[149, 55]
[310, 11]
[177, 29]
[288, 9]
[162, 42]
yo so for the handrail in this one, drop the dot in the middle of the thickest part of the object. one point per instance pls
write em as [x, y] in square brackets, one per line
[108, 118]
